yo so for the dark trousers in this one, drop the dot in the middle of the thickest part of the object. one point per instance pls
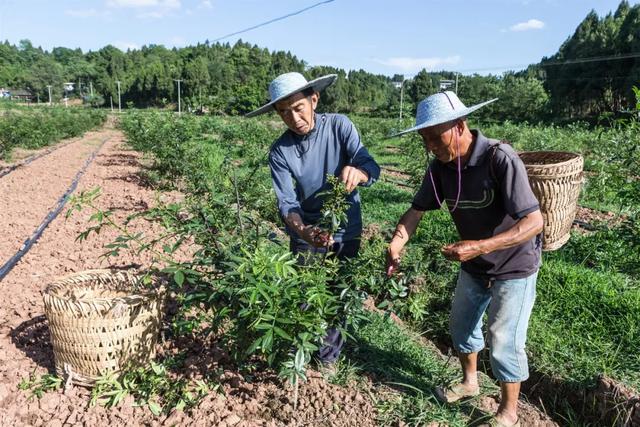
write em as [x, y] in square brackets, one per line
[333, 342]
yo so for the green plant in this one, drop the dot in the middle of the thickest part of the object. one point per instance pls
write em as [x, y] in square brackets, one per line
[334, 205]
[152, 386]
[40, 385]
[240, 283]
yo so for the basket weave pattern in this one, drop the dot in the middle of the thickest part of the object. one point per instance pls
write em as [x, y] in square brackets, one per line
[556, 180]
[100, 323]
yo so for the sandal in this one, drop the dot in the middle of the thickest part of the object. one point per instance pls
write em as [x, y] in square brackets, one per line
[494, 422]
[455, 393]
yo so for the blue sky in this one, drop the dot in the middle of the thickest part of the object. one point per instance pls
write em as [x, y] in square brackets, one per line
[386, 37]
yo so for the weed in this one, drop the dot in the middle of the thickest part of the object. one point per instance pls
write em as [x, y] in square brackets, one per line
[40, 385]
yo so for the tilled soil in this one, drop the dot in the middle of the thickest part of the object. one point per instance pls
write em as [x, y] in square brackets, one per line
[27, 195]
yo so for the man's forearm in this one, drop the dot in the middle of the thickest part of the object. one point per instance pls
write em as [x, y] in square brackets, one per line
[523, 230]
[405, 229]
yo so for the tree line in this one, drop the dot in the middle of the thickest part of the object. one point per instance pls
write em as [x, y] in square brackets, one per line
[585, 78]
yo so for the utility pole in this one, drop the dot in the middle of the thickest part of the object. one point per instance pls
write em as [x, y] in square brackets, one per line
[91, 88]
[401, 96]
[49, 87]
[457, 83]
[119, 99]
[179, 109]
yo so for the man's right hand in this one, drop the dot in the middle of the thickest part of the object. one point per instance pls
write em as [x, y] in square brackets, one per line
[393, 262]
[316, 237]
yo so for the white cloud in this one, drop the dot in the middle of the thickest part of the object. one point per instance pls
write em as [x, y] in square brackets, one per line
[126, 45]
[132, 3]
[82, 13]
[531, 24]
[149, 8]
[206, 4]
[408, 65]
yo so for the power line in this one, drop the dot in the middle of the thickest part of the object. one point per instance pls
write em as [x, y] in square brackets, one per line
[273, 20]
[554, 63]
[593, 59]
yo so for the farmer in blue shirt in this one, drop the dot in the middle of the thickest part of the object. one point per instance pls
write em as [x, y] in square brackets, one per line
[313, 146]
[485, 188]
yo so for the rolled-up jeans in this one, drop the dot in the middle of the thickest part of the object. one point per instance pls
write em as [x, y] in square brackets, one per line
[509, 304]
[333, 342]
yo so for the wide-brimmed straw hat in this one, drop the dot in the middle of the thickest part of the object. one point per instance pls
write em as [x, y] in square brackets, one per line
[289, 84]
[441, 108]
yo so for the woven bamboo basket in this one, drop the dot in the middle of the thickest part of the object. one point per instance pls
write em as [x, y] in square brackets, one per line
[101, 321]
[556, 180]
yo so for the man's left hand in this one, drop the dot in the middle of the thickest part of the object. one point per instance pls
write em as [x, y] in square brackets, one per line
[462, 251]
[352, 176]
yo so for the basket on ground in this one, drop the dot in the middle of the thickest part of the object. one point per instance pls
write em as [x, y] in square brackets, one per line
[556, 180]
[102, 321]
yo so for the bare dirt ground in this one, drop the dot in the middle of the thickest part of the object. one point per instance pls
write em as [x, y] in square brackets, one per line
[590, 218]
[27, 194]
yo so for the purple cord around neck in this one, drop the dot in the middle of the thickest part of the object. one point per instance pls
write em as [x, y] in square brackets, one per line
[433, 184]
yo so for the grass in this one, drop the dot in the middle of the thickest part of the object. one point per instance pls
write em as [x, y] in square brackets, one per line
[586, 323]
[395, 357]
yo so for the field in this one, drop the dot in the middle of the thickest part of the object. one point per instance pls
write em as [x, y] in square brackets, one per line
[239, 288]
[586, 322]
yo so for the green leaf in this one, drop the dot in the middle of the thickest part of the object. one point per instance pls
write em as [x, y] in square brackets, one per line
[300, 360]
[178, 277]
[282, 333]
[154, 408]
[252, 348]
[157, 369]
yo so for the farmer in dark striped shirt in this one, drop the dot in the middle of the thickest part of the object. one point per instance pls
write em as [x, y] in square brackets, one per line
[485, 188]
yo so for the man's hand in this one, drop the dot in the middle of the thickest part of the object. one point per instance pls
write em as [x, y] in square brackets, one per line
[316, 237]
[393, 262]
[352, 176]
[463, 250]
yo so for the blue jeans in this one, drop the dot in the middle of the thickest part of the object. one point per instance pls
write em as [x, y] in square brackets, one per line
[332, 344]
[510, 303]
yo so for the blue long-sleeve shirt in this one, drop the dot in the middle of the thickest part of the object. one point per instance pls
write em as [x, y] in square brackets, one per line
[300, 164]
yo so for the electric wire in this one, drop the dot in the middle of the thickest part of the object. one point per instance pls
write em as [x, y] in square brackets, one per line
[272, 20]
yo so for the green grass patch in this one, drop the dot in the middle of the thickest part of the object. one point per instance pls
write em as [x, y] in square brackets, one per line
[395, 357]
[585, 323]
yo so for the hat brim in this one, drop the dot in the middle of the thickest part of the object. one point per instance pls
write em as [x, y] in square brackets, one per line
[454, 115]
[318, 85]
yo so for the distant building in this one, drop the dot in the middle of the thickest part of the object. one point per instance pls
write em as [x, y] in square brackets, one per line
[16, 94]
[21, 95]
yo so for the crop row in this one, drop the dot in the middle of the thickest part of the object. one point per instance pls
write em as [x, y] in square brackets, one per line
[34, 128]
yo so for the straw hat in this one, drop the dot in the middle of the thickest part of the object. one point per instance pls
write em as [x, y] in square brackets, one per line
[289, 84]
[441, 108]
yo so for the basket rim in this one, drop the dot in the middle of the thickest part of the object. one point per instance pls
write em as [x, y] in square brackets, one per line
[132, 300]
[574, 157]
